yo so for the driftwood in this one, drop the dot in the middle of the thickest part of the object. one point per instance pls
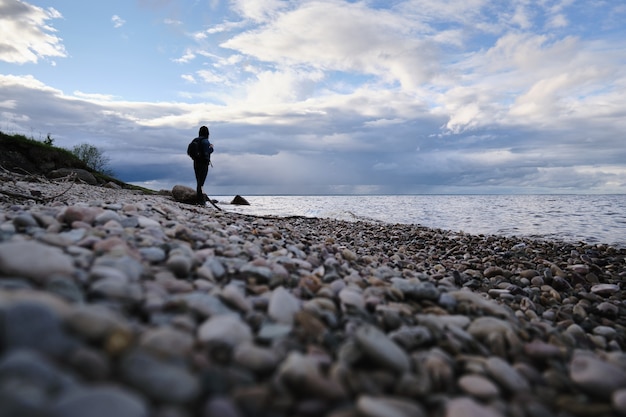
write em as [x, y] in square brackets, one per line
[17, 192]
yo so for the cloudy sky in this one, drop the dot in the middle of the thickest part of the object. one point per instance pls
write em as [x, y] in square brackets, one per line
[328, 96]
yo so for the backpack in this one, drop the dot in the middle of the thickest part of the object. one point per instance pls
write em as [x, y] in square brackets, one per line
[194, 150]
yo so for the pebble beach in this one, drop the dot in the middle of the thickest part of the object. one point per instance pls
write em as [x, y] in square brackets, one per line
[118, 303]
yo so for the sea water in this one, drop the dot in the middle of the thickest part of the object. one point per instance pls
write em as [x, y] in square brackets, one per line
[572, 218]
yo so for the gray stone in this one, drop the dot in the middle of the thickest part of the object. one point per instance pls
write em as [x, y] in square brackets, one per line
[95, 322]
[228, 330]
[34, 326]
[301, 375]
[416, 290]
[595, 376]
[34, 261]
[283, 306]
[105, 401]
[411, 337]
[65, 288]
[81, 174]
[126, 264]
[161, 381]
[205, 305]
[255, 358]
[618, 399]
[24, 221]
[467, 407]
[107, 216]
[180, 265]
[184, 194]
[221, 407]
[605, 289]
[167, 342]
[146, 222]
[79, 213]
[369, 406]
[352, 300]
[239, 200]
[236, 298]
[273, 331]
[506, 375]
[92, 364]
[117, 289]
[28, 382]
[478, 386]
[153, 254]
[382, 350]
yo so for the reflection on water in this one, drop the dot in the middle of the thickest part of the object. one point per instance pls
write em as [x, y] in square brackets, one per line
[589, 218]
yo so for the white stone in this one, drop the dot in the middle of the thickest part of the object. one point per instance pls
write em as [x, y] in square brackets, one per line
[283, 306]
[226, 329]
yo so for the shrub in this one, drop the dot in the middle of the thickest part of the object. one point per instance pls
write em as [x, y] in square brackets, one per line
[93, 157]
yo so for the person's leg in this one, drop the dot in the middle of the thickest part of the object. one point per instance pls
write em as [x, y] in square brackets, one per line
[201, 170]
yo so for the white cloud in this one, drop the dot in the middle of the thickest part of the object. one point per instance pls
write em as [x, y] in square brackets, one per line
[210, 76]
[173, 22]
[257, 10]
[345, 37]
[118, 22]
[94, 96]
[188, 56]
[25, 36]
[189, 78]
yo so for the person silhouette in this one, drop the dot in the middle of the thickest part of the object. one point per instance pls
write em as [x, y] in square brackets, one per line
[202, 161]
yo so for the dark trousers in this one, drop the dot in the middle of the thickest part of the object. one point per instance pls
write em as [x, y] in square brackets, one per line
[201, 170]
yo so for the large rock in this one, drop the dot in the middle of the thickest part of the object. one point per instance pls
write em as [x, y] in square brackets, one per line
[240, 201]
[81, 174]
[184, 194]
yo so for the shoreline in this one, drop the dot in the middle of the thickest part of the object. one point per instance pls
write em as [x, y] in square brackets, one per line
[138, 302]
[511, 216]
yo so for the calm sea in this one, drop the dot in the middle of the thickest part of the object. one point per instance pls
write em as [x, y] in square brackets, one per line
[572, 218]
